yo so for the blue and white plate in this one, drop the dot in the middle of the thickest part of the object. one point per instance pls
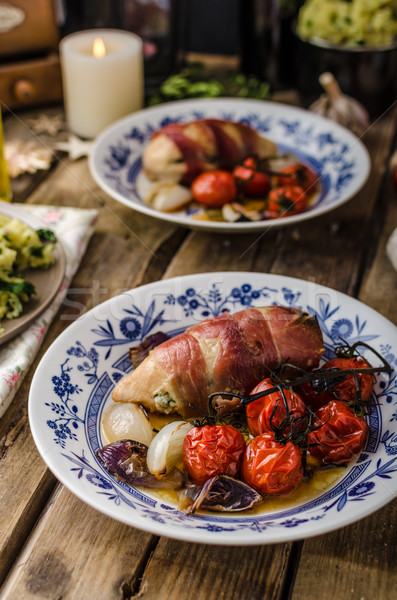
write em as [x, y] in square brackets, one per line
[332, 151]
[74, 381]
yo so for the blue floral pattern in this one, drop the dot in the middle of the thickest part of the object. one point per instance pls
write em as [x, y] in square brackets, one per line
[134, 327]
[81, 385]
[65, 407]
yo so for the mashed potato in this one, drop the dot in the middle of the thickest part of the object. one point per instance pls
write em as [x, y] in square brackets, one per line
[359, 22]
[21, 248]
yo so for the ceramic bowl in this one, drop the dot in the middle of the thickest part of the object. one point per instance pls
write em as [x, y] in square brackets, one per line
[365, 73]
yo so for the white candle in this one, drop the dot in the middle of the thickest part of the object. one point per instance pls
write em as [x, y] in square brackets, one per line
[99, 89]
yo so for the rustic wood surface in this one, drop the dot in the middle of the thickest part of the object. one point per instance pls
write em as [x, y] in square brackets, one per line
[52, 545]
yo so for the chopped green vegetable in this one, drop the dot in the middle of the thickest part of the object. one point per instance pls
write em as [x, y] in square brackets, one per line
[46, 235]
[37, 251]
[21, 248]
[18, 287]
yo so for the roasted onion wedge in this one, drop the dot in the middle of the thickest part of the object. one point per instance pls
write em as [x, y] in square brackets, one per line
[220, 494]
[126, 460]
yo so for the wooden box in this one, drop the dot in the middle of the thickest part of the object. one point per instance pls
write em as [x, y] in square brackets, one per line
[29, 62]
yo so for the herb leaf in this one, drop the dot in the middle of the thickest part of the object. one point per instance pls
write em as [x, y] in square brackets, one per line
[18, 287]
[192, 82]
[46, 235]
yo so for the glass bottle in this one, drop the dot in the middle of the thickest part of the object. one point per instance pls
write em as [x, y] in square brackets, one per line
[267, 40]
[5, 186]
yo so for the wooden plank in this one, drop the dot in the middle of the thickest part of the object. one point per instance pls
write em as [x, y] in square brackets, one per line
[75, 552]
[379, 287]
[331, 249]
[123, 246]
[205, 253]
[358, 562]
[185, 571]
[25, 487]
[354, 563]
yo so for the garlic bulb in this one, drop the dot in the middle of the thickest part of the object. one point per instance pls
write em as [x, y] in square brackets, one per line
[126, 421]
[339, 107]
[165, 450]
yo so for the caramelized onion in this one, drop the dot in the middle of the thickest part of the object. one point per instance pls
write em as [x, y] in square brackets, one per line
[221, 494]
[126, 460]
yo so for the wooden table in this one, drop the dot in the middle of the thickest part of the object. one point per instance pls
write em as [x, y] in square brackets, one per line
[54, 546]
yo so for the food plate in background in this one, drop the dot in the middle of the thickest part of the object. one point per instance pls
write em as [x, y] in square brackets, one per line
[74, 381]
[46, 281]
[332, 151]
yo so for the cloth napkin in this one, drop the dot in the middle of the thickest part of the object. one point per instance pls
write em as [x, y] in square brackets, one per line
[73, 228]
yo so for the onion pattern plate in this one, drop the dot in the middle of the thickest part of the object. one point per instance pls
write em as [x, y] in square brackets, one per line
[75, 378]
[337, 155]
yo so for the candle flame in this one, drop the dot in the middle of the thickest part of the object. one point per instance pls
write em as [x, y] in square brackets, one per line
[98, 48]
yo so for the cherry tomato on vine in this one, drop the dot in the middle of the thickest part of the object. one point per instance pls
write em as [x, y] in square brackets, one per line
[259, 412]
[298, 174]
[339, 434]
[286, 201]
[271, 468]
[319, 392]
[252, 183]
[214, 188]
[212, 450]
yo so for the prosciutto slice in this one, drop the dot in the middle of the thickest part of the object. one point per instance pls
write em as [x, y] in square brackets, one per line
[225, 353]
[181, 151]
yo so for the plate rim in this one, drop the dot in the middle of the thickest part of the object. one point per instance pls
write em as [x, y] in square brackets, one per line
[214, 226]
[189, 535]
[33, 221]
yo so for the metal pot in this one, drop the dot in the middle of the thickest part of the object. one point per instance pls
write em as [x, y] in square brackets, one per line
[365, 73]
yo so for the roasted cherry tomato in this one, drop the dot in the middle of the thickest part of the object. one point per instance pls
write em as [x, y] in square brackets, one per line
[286, 201]
[252, 183]
[319, 392]
[339, 434]
[298, 174]
[214, 188]
[212, 450]
[260, 415]
[271, 468]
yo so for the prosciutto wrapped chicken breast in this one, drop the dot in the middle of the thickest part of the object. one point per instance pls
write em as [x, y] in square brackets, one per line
[180, 152]
[225, 353]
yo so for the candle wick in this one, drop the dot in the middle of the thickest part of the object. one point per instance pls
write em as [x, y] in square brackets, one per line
[98, 48]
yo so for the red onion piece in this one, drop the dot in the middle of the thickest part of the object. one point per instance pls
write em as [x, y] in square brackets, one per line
[126, 460]
[139, 353]
[220, 494]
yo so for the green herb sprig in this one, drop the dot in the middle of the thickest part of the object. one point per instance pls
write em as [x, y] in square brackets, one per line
[191, 82]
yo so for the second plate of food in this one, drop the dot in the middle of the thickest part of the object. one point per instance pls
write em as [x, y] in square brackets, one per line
[44, 274]
[339, 161]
